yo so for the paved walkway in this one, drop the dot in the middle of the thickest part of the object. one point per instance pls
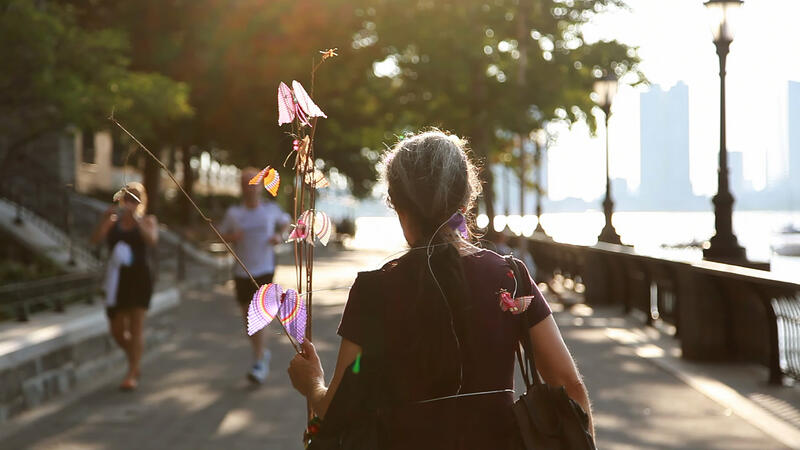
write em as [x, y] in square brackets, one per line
[194, 395]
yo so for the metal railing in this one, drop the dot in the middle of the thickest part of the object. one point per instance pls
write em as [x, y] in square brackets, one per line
[787, 314]
[70, 218]
[720, 312]
[37, 197]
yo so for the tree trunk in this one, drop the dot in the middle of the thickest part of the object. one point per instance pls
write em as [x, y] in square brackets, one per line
[523, 40]
[523, 160]
[152, 181]
[481, 139]
[188, 184]
[487, 178]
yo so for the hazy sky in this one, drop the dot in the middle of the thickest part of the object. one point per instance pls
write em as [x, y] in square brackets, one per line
[675, 44]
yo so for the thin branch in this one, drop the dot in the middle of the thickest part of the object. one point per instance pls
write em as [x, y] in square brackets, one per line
[200, 211]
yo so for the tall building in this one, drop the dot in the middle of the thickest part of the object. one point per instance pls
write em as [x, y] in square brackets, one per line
[738, 185]
[621, 194]
[664, 126]
[794, 143]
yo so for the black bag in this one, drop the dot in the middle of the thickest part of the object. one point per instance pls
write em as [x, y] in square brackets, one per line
[547, 418]
[353, 420]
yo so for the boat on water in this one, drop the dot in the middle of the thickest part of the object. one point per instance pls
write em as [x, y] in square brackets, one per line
[786, 242]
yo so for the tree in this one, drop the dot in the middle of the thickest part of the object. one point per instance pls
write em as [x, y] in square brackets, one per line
[458, 64]
[54, 73]
[234, 54]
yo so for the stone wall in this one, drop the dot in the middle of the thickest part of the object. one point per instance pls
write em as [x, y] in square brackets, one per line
[75, 357]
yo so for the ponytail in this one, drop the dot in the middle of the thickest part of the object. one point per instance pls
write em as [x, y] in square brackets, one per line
[430, 177]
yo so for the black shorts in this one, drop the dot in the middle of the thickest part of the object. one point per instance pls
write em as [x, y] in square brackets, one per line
[245, 289]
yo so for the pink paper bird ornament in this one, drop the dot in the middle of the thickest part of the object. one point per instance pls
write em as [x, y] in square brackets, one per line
[295, 103]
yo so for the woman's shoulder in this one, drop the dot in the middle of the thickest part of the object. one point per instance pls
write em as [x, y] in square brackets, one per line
[488, 258]
[363, 303]
[369, 280]
[382, 273]
[481, 256]
[486, 254]
[484, 259]
[487, 263]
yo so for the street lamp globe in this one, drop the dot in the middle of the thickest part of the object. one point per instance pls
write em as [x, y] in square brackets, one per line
[606, 88]
[722, 16]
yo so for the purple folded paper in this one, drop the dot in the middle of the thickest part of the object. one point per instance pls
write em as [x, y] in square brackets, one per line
[459, 224]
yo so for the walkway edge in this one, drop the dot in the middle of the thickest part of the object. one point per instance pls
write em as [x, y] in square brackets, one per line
[42, 361]
[38, 342]
[722, 394]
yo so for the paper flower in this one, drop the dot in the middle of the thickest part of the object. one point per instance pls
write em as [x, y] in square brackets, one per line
[299, 233]
[329, 53]
[271, 179]
[271, 301]
[300, 146]
[514, 305]
[316, 179]
[459, 224]
[323, 228]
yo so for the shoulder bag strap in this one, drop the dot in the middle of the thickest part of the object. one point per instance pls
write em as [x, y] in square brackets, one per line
[374, 329]
[525, 357]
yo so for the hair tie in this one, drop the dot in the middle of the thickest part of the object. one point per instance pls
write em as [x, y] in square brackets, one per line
[459, 224]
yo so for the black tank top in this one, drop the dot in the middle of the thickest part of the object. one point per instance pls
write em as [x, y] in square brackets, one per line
[132, 237]
[135, 281]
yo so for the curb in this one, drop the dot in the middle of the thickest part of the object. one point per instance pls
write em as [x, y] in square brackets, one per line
[649, 348]
[38, 343]
[44, 365]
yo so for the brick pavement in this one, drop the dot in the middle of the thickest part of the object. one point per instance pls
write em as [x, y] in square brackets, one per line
[193, 394]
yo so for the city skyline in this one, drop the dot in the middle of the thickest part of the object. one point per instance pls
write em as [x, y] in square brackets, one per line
[794, 141]
[665, 166]
[665, 162]
[675, 46]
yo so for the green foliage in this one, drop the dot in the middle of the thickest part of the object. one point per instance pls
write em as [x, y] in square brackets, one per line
[502, 65]
[55, 73]
[491, 70]
[484, 69]
[145, 99]
[15, 271]
[234, 54]
[18, 263]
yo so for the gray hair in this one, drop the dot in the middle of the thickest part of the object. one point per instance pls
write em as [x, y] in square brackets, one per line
[430, 176]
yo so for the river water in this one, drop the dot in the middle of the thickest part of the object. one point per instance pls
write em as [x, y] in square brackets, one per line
[758, 231]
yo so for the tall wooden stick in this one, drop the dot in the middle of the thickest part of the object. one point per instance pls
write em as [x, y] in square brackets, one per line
[200, 211]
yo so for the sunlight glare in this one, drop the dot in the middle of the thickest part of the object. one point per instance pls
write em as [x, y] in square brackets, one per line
[499, 222]
[482, 221]
[515, 224]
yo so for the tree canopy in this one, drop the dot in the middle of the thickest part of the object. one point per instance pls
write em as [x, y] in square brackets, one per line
[489, 70]
[55, 73]
[484, 69]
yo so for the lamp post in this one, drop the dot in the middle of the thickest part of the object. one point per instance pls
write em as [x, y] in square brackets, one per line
[606, 89]
[723, 245]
